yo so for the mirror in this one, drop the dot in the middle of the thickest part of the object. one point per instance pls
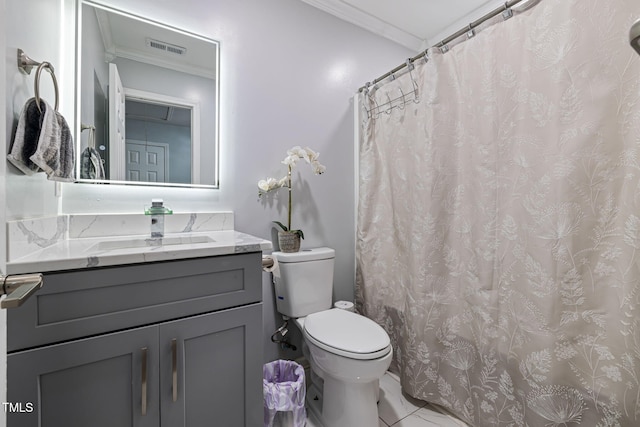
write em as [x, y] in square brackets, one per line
[147, 101]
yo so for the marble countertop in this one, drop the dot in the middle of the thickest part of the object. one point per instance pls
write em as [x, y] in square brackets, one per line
[99, 252]
[65, 249]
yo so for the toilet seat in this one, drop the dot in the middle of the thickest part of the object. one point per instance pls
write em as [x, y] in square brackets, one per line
[347, 334]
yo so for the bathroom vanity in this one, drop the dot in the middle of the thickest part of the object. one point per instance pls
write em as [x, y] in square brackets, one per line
[169, 342]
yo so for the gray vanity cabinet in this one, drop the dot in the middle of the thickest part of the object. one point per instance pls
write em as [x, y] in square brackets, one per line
[90, 382]
[193, 360]
[216, 365]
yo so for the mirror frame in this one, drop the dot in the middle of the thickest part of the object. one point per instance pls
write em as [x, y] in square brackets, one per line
[78, 100]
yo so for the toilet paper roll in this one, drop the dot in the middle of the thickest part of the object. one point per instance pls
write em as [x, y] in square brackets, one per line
[344, 305]
[270, 265]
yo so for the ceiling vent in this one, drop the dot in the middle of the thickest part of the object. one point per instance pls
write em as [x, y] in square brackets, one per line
[166, 47]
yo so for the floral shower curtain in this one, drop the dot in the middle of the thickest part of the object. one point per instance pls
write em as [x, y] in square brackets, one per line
[499, 220]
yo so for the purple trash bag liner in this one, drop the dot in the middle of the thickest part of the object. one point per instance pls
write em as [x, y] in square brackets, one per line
[284, 390]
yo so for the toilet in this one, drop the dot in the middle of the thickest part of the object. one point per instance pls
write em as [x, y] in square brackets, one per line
[348, 353]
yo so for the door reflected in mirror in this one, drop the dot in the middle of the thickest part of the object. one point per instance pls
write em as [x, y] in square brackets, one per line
[148, 101]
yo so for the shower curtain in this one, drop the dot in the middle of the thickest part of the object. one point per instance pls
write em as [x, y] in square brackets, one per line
[498, 235]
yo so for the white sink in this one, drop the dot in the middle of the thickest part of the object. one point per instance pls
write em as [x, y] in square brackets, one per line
[110, 245]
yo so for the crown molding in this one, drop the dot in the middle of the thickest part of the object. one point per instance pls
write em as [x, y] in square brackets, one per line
[113, 51]
[364, 20]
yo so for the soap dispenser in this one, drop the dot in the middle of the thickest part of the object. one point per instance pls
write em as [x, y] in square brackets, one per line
[157, 212]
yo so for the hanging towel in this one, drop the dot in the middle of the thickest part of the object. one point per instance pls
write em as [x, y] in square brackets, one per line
[91, 166]
[26, 138]
[43, 141]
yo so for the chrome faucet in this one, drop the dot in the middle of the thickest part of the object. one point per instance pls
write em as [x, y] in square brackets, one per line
[157, 212]
[157, 226]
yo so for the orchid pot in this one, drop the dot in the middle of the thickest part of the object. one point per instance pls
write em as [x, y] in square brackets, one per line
[288, 241]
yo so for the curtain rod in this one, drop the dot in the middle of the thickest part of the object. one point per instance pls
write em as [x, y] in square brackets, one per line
[505, 9]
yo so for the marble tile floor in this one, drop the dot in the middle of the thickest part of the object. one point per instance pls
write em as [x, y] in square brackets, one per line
[398, 410]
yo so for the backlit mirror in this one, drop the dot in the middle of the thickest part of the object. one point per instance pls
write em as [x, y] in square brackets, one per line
[147, 101]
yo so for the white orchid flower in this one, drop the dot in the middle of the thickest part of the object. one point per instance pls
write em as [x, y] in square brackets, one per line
[266, 185]
[311, 156]
[293, 155]
[263, 185]
[318, 169]
[297, 151]
[290, 160]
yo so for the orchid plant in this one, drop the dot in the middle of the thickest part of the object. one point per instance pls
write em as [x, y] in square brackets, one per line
[293, 156]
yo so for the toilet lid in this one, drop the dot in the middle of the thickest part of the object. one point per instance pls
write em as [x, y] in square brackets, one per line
[347, 334]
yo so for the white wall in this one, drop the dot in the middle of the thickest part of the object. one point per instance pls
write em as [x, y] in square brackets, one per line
[288, 72]
[36, 26]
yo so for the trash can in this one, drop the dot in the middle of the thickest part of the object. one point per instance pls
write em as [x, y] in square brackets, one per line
[284, 391]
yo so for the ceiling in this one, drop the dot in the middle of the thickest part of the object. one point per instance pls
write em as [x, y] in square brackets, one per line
[157, 113]
[416, 24]
[145, 41]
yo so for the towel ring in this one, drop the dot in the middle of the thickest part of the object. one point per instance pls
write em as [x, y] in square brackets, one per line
[49, 68]
[26, 64]
[92, 134]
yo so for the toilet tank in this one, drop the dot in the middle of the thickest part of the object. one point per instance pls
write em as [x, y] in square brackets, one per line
[304, 281]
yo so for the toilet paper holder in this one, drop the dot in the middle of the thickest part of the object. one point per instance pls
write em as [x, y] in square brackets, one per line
[267, 262]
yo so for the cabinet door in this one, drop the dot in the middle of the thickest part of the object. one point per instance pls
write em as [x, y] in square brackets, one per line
[95, 382]
[218, 369]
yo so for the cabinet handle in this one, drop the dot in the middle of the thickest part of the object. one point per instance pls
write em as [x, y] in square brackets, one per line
[19, 288]
[144, 381]
[174, 368]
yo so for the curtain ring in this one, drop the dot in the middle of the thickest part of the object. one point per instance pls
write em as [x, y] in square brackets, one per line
[507, 12]
[49, 68]
[409, 65]
[470, 32]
